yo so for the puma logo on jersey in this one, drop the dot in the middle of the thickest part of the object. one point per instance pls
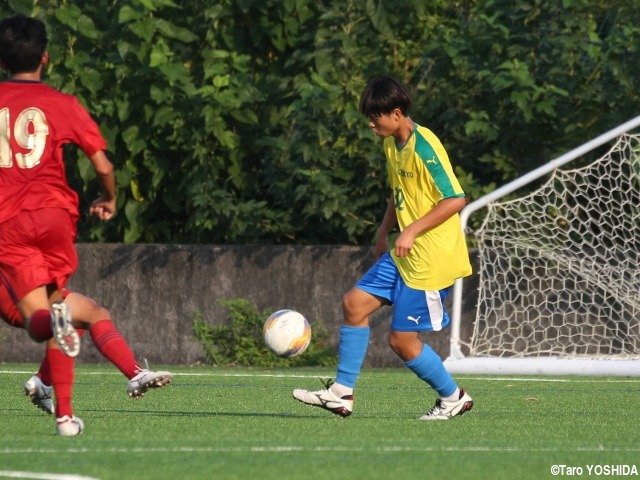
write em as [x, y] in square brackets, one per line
[431, 160]
[414, 319]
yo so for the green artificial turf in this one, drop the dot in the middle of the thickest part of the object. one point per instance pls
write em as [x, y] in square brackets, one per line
[241, 423]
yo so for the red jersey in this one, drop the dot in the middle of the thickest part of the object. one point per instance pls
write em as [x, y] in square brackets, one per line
[36, 121]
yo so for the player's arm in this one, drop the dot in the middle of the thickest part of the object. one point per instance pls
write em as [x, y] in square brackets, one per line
[389, 221]
[104, 207]
[442, 212]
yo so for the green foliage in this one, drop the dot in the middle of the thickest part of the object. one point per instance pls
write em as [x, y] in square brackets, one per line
[237, 122]
[240, 340]
[533, 77]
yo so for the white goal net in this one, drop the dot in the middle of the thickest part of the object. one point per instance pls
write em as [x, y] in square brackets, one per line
[560, 267]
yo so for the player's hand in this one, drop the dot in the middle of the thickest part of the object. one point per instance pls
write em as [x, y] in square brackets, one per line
[103, 209]
[404, 243]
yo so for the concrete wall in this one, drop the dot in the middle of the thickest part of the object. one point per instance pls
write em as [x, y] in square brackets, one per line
[152, 292]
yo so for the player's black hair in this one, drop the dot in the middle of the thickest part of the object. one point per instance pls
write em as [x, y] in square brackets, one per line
[23, 41]
[383, 95]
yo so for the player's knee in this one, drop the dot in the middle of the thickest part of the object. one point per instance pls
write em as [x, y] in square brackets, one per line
[93, 314]
[396, 344]
[348, 304]
[99, 313]
[353, 313]
[103, 313]
[358, 303]
[407, 347]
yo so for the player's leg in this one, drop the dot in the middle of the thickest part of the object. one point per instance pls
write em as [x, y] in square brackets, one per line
[44, 321]
[352, 348]
[416, 311]
[110, 343]
[30, 299]
[428, 366]
[55, 375]
[58, 368]
[357, 306]
[61, 372]
[372, 292]
[37, 256]
[34, 308]
[38, 388]
[87, 313]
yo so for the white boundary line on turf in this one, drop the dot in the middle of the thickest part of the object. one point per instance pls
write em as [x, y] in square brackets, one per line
[542, 379]
[286, 375]
[42, 476]
[292, 448]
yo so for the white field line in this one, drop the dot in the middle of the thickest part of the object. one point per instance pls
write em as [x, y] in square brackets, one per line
[42, 476]
[482, 378]
[293, 448]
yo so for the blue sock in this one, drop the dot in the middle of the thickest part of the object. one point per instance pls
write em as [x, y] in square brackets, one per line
[352, 349]
[428, 367]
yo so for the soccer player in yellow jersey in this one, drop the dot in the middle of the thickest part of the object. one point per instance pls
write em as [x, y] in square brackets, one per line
[416, 276]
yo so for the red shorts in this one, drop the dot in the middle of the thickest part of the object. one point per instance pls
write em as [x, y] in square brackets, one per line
[37, 248]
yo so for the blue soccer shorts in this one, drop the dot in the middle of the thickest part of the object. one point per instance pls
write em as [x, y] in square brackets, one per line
[413, 310]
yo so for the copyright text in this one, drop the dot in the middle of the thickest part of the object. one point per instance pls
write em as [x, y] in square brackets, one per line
[621, 470]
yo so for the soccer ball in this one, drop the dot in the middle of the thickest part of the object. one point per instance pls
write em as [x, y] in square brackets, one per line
[287, 333]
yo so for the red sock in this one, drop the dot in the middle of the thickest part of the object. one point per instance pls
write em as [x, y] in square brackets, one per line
[110, 343]
[40, 325]
[44, 372]
[61, 371]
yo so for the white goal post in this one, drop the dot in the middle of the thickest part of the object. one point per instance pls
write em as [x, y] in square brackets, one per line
[559, 270]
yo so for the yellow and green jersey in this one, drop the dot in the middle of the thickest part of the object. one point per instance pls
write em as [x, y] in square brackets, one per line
[421, 175]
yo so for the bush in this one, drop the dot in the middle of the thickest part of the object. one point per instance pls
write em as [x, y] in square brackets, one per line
[240, 341]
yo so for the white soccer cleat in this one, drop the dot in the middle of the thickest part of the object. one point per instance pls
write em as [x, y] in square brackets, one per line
[39, 394]
[443, 410]
[326, 399]
[146, 380]
[68, 426]
[64, 334]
